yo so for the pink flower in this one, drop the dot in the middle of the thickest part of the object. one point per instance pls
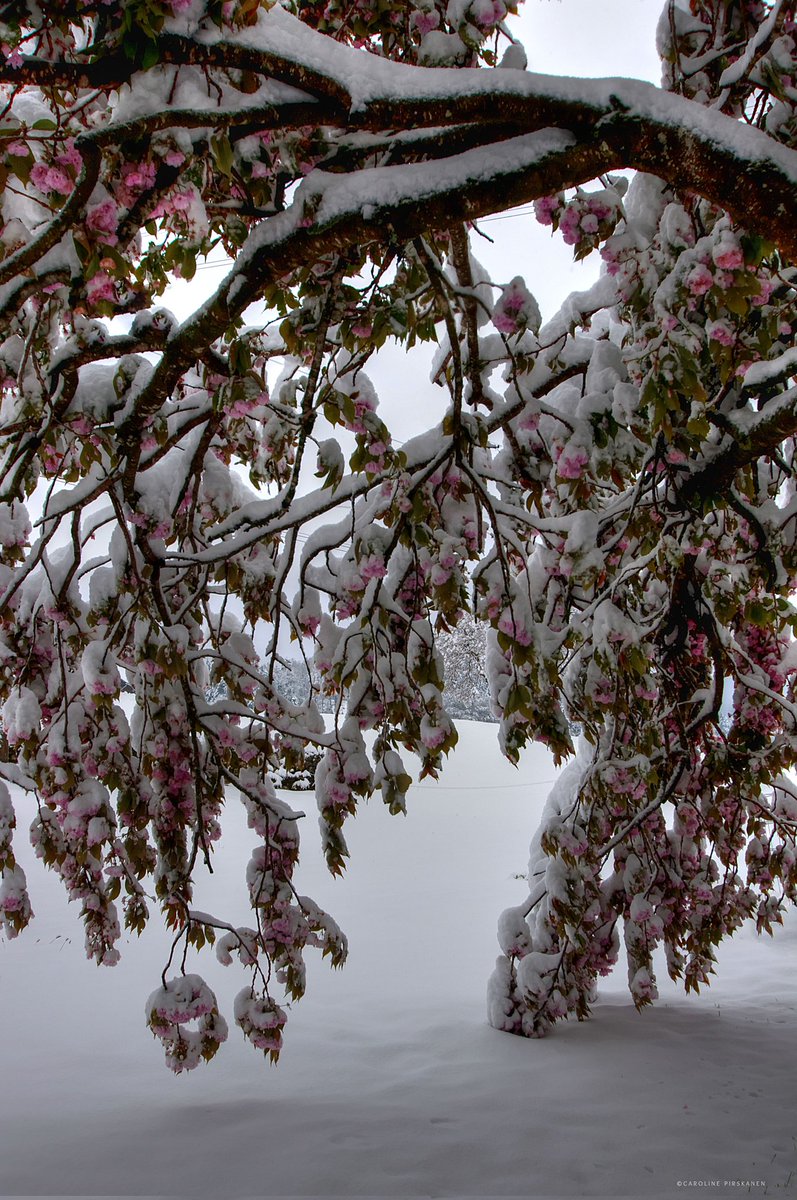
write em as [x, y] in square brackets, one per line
[135, 178]
[572, 463]
[699, 280]
[728, 255]
[182, 201]
[765, 289]
[720, 331]
[516, 309]
[100, 287]
[373, 567]
[604, 692]
[504, 322]
[51, 179]
[425, 22]
[12, 57]
[103, 218]
[514, 629]
[570, 226]
[600, 209]
[545, 209]
[70, 156]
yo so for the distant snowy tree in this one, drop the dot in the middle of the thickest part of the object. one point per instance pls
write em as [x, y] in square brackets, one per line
[464, 654]
[611, 492]
[293, 682]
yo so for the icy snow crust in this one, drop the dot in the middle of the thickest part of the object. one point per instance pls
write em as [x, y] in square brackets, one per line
[391, 1084]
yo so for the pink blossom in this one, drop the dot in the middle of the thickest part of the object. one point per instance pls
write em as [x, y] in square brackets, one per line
[338, 793]
[641, 910]
[100, 287]
[242, 408]
[51, 179]
[609, 254]
[432, 736]
[720, 331]
[570, 226]
[70, 156]
[604, 692]
[373, 567]
[182, 201]
[572, 463]
[12, 57]
[600, 208]
[425, 22]
[728, 255]
[504, 322]
[136, 177]
[700, 280]
[573, 843]
[103, 218]
[514, 629]
[545, 209]
[516, 309]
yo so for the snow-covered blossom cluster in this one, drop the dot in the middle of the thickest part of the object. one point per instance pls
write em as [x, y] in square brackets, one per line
[609, 493]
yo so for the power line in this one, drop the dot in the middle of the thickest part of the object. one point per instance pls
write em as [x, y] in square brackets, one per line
[510, 216]
[488, 787]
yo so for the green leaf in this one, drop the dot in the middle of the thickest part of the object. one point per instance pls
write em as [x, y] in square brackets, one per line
[150, 56]
[222, 151]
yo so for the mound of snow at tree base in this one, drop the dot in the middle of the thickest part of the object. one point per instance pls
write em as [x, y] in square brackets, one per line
[391, 1083]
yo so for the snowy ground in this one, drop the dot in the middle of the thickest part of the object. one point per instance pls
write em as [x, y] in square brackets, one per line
[391, 1084]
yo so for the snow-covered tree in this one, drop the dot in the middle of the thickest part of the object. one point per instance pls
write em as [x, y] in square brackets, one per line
[464, 653]
[611, 493]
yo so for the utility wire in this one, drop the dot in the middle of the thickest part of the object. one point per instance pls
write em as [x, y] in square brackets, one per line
[488, 787]
[510, 216]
